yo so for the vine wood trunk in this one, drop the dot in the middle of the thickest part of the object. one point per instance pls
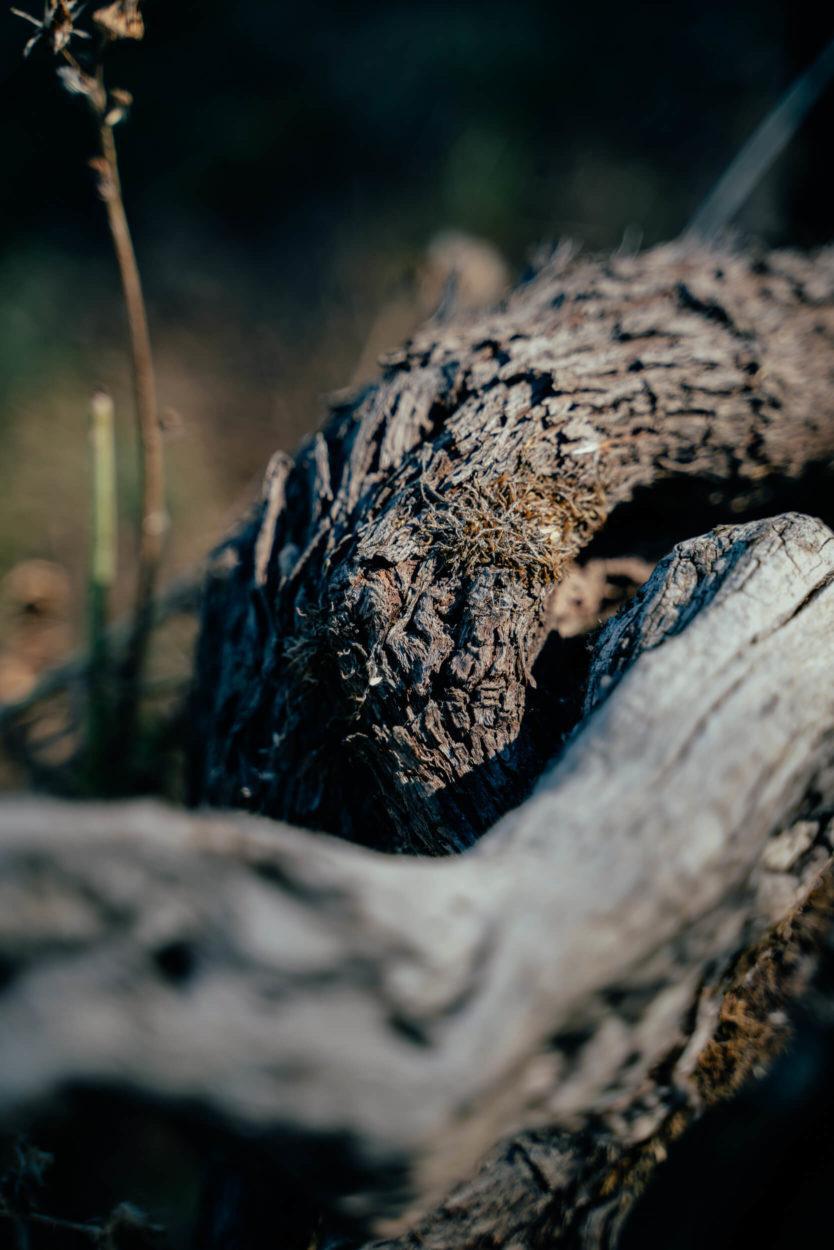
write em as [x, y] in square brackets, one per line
[403, 646]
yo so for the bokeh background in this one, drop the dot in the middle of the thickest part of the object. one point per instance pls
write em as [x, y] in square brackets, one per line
[292, 172]
[286, 168]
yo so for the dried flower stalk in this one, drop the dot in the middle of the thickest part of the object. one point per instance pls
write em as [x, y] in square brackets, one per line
[120, 20]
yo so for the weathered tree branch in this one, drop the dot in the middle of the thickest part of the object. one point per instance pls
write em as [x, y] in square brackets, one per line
[391, 651]
[564, 979]
[398, 574]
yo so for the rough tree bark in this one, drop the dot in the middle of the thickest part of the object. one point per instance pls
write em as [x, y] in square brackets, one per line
[385, 655]
[398, 574]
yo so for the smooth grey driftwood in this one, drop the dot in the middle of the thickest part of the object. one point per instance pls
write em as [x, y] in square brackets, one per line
[415, 1013]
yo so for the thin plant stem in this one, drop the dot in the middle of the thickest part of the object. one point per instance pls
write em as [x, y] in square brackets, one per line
[34, 1217]
[182, 597]
[103, 548]
[770, 137]
[152, 519]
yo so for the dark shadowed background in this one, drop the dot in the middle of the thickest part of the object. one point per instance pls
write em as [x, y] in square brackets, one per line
[286, 169]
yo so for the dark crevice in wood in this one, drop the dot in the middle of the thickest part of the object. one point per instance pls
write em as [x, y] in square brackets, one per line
[671, 511]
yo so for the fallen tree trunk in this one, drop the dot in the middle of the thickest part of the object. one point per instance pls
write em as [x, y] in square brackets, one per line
[573, 980]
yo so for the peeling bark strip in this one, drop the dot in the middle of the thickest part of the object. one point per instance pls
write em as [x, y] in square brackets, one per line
[372, 663]
[575, 978]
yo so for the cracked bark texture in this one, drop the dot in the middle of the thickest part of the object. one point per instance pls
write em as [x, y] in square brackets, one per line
[376, 657]
[554, 1005]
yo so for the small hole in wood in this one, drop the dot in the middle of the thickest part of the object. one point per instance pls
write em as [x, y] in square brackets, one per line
[8, 973]
[176, 961]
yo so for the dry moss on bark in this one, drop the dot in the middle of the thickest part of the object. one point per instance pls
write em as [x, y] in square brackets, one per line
[521, 523]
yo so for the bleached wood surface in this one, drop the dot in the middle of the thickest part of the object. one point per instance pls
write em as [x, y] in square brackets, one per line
[416, 1012]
